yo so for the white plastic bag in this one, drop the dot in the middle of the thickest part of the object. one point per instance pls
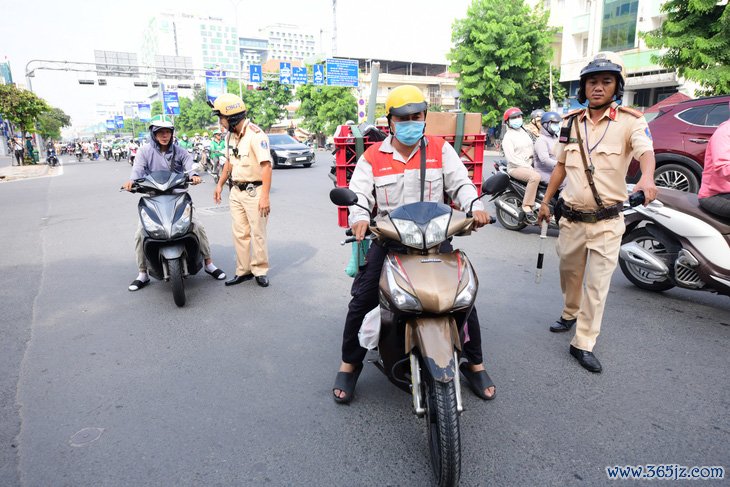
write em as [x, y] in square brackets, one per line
[369, 333]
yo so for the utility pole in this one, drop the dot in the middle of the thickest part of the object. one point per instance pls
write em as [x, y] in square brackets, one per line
[238, 47]
[334, 28]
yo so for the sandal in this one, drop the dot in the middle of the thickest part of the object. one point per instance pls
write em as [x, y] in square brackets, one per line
[217, 274]
[137, 285]
[346, 381]
[478, 381]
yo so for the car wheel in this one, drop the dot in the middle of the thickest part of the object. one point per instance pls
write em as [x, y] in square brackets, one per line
[676, 176]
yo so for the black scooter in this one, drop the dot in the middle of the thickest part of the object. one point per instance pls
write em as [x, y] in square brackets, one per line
[170, 247]
[51, 157]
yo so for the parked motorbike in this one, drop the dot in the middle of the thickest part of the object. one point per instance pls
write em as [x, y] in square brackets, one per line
[508, 203]
[425, 296]
[51, 157]
[673, 242]
[171, 248]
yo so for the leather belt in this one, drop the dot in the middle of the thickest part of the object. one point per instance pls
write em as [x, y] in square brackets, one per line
[606, 213]
[242, 185]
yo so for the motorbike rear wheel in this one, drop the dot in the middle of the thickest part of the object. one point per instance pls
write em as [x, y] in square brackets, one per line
[444, 438]
[505, 219]
[639, 277]
[176, 279]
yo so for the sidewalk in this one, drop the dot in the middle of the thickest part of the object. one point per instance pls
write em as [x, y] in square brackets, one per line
[8, 172]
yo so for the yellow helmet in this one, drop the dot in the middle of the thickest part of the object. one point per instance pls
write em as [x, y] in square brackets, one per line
[405, 100]
[228, 104]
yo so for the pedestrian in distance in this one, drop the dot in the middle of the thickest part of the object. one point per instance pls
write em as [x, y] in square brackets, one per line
[18, 150]
[162, 155]
[595, 148]
[248, 163]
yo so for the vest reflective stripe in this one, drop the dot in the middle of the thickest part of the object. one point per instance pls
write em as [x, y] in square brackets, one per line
[384, 164]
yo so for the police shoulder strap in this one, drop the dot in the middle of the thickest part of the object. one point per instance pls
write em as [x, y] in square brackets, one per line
[589, 173]
[423, 166]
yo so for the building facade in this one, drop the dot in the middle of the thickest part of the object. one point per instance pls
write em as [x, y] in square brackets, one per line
[289, 42]
[253, 50]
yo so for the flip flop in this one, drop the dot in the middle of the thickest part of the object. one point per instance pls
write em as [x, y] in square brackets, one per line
[137, 285]
[346, 381]
[217, 274]
[478, 381]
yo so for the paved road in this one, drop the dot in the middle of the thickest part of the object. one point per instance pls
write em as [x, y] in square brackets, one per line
[234, 389]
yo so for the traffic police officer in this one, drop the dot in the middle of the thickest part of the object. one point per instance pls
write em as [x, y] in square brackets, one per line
[595, 148]
[248, 162]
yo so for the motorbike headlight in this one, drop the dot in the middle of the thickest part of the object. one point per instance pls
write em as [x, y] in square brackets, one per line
[181, 226]
[466, 297]
[436, 230]
[155, 229]
[404, 300]
[409, 232]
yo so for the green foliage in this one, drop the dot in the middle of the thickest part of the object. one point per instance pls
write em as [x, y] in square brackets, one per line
[696, 35]
[325, 107]
[156, 108]
[502, 54]
[435, 108]
[21, 107]
[51, 122]
[195, 114]
[266, 105]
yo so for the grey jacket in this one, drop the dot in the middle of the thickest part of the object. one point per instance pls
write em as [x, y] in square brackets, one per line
[150, 159]
[544, 158]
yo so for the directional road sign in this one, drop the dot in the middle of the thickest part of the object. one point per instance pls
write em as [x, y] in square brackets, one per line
[255, 75]
[318, 75]
[299, 76]
[285, 73]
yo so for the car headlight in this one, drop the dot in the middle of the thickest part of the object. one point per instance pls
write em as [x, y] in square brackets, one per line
[466, 297]
[405, 301]
[181, 226]
[409, 232]
[282, 153]
[153, 228]
[436, 230]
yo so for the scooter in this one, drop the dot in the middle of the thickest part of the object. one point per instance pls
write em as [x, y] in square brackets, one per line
[51, 157]
[107, 153]
[673, 242]
[509, 202]
[79, 153]
[116, 154]
[425, 297]
[132, 155]
[171, 248]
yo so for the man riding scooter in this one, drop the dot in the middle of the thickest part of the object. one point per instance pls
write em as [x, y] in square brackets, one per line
[162, 155]
[394, 169]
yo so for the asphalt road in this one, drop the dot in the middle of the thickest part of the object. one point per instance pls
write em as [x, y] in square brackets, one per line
[103, 387]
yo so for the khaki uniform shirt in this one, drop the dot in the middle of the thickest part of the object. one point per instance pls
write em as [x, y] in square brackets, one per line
[620, 134]
[253, 150]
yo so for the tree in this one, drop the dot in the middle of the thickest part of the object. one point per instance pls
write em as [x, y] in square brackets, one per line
[21, 107]
[195, 114]
[325, 107]
[51, 122]
[502, 54]
[266, 105]
[696, 35]
[156, 108]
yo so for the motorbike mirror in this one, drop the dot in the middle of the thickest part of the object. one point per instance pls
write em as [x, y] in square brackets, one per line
[495, 183]
[343, 197]
[195, 168]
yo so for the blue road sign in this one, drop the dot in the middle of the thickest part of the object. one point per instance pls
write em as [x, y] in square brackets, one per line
[145, 112]
[255, 75]
[171, 102]
[342, 72]
[285, 73]
[215, 84]
[318, 74]
[110, 125]
[299, 76]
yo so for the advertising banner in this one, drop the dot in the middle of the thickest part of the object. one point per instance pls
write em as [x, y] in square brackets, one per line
[215, 84]
[119, 119]
[110, 125]
[145, 112]
[171, 103]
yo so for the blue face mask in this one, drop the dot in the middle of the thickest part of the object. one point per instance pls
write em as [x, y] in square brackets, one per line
[515, 123]
[409, 133]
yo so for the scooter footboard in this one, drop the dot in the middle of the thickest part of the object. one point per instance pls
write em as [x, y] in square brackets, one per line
[436, 337]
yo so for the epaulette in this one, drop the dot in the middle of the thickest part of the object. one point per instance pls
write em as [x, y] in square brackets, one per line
[631, 111]
[573, 113]
[255, 128]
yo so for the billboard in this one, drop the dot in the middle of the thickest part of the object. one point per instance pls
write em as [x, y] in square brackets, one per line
[145, 112]
[215, 84]
[171, 103]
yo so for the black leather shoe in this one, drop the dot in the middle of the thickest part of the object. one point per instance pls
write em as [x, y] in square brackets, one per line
[562, 325]
[239, 279]
[586, 359]
[262, 281]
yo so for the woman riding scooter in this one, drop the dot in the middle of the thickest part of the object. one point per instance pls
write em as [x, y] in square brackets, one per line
[518, 149]
[544, 156]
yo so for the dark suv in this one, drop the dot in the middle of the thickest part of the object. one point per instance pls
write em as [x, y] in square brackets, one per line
[681, 133]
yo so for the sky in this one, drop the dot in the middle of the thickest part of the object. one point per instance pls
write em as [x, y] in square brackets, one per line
[415, 30]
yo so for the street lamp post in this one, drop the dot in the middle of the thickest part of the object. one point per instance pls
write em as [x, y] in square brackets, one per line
[238, 47]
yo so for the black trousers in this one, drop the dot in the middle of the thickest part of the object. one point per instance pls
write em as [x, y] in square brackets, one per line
[365, 297]
[717, 205]
[19, 157]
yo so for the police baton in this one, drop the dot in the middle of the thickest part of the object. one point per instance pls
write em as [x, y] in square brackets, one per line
[541, 251]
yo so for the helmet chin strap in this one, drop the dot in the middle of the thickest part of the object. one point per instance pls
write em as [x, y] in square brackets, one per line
[599, 107]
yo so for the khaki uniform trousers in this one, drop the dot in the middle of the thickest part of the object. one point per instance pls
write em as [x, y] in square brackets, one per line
[198, 230]
[532, 178]
[588, 256]
[249, 233]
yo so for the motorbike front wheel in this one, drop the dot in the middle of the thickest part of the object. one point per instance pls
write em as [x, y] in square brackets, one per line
[643, 278]
[444, 439]
[176, 279]
[505, 219]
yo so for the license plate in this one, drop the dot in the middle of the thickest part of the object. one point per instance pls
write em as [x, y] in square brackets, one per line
[300, 159]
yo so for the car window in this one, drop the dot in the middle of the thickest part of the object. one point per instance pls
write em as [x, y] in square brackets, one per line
[281, 139]
[719, 113]
[696, 115]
